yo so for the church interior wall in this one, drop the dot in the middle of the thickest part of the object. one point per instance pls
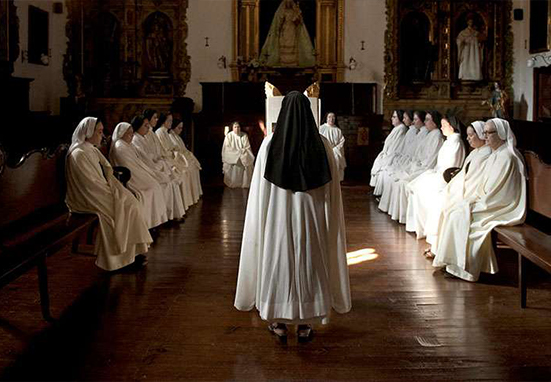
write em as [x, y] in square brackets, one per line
[48, 85]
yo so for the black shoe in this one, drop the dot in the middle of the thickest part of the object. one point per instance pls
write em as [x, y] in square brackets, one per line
[305, 333]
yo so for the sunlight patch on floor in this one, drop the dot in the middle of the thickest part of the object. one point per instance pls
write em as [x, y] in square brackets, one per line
[360, 256]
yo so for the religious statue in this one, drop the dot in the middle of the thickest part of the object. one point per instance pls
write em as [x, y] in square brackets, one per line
[288, 43]
[470, 52]
[157, 47]
[497, 102]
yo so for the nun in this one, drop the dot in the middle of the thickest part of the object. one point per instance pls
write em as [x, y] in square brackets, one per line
[92, 188]
[237, 158]
[142, 181]
[334, 135]
[182, 151]
[464, 244]
[293, 267]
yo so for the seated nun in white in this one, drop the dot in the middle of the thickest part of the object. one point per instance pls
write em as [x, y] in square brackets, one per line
[182, 151]
[464, 244]
[92, 188]
[334, 135]
[165, 134]
[237, 158]
[163, 173]
[159, 154]
[422, 194]
[142, 179]
[393, 143]
[415, 121]
[463, 184]
[394, 198]
[293, 266]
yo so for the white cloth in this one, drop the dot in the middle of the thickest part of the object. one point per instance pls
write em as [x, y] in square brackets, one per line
[464, 242]
[195, 165]
[163, 173]
[336, 139]
[405, 154]
[423, 193]
[293, 256]
[384, 159]
[237, 160]
[187, 168]
[92, 188]
[470, 55]
[142, 179]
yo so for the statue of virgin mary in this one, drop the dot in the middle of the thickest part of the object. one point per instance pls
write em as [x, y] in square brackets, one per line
[288, 43]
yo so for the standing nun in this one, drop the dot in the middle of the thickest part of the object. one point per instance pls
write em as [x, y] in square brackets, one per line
[293, 256]
[334, 135]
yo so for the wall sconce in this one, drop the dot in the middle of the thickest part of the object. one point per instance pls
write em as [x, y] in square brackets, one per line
[352, 64]
[222, 62]
[532, 61]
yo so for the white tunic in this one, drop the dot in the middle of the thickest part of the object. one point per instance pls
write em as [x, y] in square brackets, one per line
[460, 187]
[423, 193]
[237, 160]
[189, 169]
[464, 242]
[469, 52]
[142, 182]
[163, 173]
[392, 143]
[123, 233]
[182, 151]
[405, 154]
[293, 256]
[336, 139]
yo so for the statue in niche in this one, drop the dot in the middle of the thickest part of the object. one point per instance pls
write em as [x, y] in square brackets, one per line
[416, 50]
[288, 43]
[470, 43]
[158, 45]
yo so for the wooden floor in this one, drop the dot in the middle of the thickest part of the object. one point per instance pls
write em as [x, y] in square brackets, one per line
[175, 320]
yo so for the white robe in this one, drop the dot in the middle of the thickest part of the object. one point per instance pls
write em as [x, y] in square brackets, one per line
[293, 265]
[142, 182]
[394, 198]
[392, 143]
[190, 170]
[336, 139]
[423, 193]
[460, 187]
[237, 160]
[123, 233]
[164, 175]
[469, 52]
[193, 162]
[406, 153]
[464, 243]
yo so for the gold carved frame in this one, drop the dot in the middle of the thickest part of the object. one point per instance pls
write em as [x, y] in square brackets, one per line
[329, 37]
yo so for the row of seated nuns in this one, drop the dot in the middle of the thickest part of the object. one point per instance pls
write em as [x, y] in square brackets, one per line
[238, 158]
[164, 182]
[411, 177]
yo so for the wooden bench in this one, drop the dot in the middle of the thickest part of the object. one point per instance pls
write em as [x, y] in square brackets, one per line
[529, 241]
[34, 220]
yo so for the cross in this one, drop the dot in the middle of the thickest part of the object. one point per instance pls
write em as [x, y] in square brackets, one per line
[206, 41]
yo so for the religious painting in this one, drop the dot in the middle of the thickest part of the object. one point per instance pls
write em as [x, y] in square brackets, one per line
[416, 49]
[540, 26]
[106, 39]
[287, 31]
[158, 43]
[470, 43]
[38, 49]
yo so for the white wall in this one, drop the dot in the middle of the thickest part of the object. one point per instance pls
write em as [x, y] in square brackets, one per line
[523, 77]
[48, 85]
[212, 19]
[365, 20]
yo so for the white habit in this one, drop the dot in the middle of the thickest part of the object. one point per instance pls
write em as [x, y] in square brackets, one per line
[392, 144]
[237, 160]
[336, 139]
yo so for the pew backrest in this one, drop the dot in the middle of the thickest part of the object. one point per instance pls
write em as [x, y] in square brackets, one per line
[539, 184]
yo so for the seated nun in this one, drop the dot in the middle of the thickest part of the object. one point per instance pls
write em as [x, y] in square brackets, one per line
[237, 158]
[334, 135]
[163, 173]
[92, 188]
[394, 199]
[182, 150]
[464, 244]
[165, 133]
[142, 180]
[293, 266]
[423, 192]
[411, 140]
[393, 144]
[461, 185]
[159, 154]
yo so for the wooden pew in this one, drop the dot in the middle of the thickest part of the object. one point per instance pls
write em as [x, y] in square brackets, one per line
[34, 220]
[531, 243]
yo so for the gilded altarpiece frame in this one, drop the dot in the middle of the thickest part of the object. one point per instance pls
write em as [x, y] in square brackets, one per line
[328, 41]
[441, 88]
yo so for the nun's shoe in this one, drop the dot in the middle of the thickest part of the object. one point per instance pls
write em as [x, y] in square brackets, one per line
[279, 329]
[305, 333]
